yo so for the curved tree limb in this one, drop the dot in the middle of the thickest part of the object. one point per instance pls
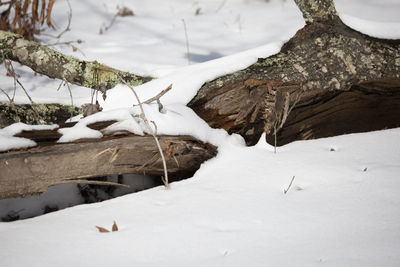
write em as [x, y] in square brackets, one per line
[53, 64]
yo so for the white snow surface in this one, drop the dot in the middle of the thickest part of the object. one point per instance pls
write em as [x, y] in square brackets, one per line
[341, 210]
[233, 212]
[385, 30]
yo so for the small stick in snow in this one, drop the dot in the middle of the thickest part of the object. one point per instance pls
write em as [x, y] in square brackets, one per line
[287, 189]
[187, 41]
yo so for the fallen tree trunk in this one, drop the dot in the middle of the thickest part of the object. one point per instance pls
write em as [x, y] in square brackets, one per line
[32, 171]
[323, 60]
[327, 80]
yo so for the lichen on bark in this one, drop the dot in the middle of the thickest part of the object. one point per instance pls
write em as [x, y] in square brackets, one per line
[53, 64]
[36, 114]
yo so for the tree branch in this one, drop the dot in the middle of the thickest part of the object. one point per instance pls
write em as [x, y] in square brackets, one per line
[53, 64]
[317, 10]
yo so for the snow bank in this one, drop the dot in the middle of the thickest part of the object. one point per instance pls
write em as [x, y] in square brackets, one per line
[233, 212]
[384, 30]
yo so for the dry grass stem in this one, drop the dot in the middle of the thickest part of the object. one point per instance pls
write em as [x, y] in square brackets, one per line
[287, 189]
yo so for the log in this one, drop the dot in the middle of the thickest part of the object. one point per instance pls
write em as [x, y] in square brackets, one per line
[324, 60]
[32, 171]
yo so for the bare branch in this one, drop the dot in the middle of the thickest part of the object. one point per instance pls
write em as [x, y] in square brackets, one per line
[147, 124]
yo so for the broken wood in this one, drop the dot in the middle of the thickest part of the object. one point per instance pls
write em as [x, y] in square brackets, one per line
[32, 171]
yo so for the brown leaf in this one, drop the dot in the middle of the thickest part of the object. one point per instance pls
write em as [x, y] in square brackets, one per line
[332, 149]
[197, 12]
[74, 49]
[102, 229]
[365, 169]
[124, 12]
[114, 227]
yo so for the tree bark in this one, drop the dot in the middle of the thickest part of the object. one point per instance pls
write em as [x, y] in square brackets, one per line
[36, 114]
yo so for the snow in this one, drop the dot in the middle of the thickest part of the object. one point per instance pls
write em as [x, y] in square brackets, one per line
[187, 80]
[8, 141]
[341, 210]
[384, 30]
[378, 19]
[233, 212]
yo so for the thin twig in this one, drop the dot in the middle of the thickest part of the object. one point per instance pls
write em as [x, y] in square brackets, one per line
[9, 99]
[220, 6]
[165, 178]
[83, 181]
[187, 41]
[157, 97]
[285, 191]
[23, 88]
[8, 65]
[146, 122]
[70, 92]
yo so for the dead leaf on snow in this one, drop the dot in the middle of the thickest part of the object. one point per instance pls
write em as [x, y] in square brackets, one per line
[114, 227]
[102, 229]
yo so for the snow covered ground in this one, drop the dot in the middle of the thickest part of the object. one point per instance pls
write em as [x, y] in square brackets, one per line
[342, 208]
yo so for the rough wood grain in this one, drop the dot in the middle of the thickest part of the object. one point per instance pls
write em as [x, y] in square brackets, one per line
[32, 171]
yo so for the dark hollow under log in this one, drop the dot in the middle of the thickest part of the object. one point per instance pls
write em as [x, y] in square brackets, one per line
[365, 107]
